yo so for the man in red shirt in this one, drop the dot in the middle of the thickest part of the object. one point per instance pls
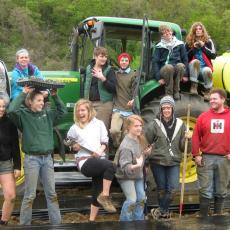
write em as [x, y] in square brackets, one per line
[211, 137]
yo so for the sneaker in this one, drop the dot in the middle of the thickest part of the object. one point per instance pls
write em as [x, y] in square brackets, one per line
[156, 213]
[106, 203]
[166, 215]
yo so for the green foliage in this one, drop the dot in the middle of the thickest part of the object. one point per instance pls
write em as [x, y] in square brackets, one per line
[44, 27]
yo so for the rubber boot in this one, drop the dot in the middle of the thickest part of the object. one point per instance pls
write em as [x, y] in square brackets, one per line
[206, 94]
[204, 206]
[193, 89]
[218, 205]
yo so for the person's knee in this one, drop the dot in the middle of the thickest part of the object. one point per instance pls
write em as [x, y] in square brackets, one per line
[110, 171]
[167, 70]
[10, 197]
[195, 63]
[206, 72]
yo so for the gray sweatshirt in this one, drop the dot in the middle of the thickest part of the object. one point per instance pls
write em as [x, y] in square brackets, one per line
[125, 156]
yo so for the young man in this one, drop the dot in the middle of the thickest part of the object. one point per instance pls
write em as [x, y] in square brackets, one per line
[123, 100]
[170, 62]
[211, 137]
[100, 85]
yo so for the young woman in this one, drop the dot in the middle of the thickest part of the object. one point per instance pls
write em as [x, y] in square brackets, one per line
[168, 133]
[91, 140]
[10, 162]
[200, 49]
[130, 162]
[36, 124]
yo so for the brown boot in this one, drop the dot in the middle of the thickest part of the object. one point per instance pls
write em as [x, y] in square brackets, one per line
[207, 94]
[193, 89]
[106, 203]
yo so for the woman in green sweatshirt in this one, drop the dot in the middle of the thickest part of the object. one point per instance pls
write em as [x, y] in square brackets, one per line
[36, 124]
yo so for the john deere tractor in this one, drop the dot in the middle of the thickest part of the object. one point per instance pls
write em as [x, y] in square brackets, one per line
[137, 37]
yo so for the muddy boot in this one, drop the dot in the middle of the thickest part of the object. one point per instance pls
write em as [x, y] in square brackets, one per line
[207, 94]
[106, 203]
[218, 205]
[204, 206]
[193, 89]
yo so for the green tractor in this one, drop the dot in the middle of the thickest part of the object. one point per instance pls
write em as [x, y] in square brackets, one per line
[137, 37]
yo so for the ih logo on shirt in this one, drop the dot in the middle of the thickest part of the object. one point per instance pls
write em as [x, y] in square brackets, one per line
[217, 126]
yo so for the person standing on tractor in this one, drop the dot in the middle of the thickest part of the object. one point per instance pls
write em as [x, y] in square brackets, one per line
[36, 124]
[130, 159]
[211, 151]
[90, 143]
[170, 62]
[168, 133]
[100, 85]
[23, 69]
[10, 161]
[123, 100]
[200, 50]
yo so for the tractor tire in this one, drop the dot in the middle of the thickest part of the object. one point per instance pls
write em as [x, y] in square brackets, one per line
[198, 105]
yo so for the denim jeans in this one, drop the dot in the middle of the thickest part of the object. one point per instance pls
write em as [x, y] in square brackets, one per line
[133, 207]
[203, 73]
[39, 166]
[167, 181]
[214, 176]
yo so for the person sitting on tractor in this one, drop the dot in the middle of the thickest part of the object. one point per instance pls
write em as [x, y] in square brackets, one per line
[123, 100]
[200, 50]
[170, 62]
[23, 69]
[100, 85]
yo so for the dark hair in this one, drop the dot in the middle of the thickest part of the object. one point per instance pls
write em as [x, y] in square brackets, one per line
[31, 96]
[219, 91]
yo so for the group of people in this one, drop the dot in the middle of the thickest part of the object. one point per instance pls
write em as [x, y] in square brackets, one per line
[175, 62]
[106, 111]
[28, 120]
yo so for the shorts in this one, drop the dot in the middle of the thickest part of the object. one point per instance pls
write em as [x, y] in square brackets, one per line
[6, 167]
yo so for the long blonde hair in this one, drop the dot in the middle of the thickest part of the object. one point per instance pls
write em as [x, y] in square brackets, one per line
[91, 111]
[191, 37]
[130, 121]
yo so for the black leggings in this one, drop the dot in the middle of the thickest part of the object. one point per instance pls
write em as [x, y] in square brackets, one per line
[98, 169]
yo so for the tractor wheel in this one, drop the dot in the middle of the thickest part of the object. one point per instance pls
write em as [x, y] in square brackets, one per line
[198, 106]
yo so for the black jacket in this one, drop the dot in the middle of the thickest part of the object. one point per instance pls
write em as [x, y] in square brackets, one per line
[162, 55]
[9, 144]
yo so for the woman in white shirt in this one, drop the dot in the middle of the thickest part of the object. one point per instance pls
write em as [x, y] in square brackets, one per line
[90, 143]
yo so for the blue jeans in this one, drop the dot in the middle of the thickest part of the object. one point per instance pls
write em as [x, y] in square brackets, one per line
[39, 166]
[133, 207]
[167, 181]
[214, 176]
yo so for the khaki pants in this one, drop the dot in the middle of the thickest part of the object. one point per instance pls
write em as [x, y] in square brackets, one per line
[172, 76]
[104, 112]
[117, 130]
